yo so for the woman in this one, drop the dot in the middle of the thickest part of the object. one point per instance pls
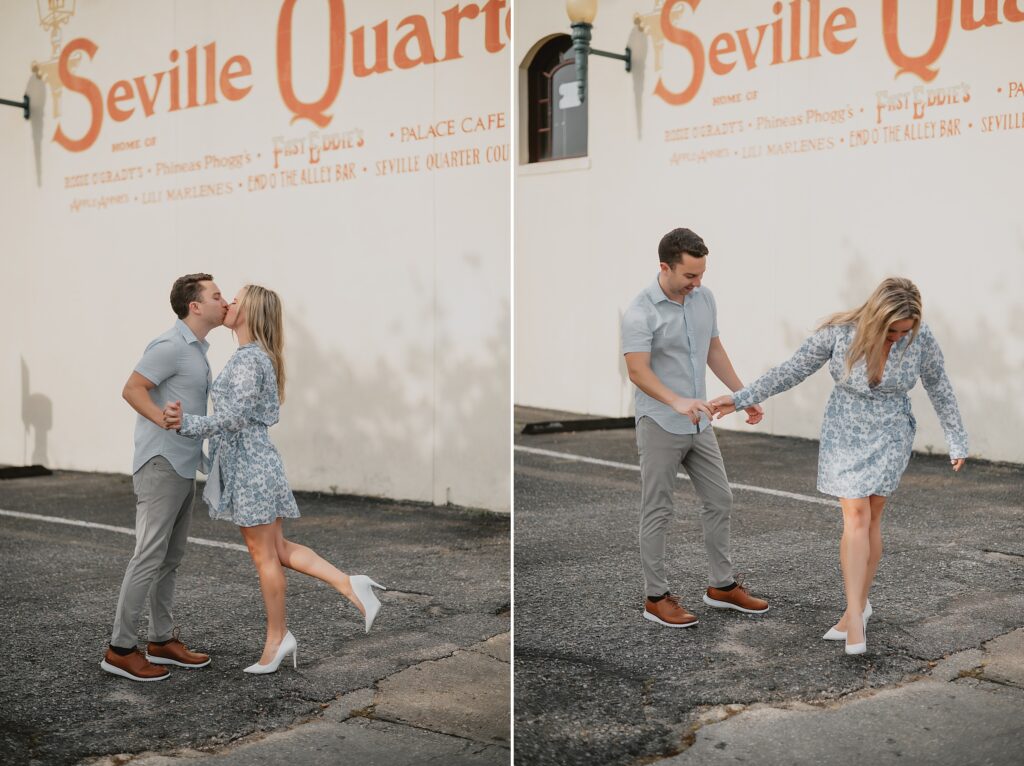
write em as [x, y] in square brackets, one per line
[875, 354]
[247, 485]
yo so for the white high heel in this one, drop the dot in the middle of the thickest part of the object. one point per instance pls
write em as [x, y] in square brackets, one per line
[840, 635]
[362, 587]
[863, 645]
[288, 646]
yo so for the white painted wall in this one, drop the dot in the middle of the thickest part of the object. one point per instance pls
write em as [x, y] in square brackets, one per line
[395, 287]
[792, 237]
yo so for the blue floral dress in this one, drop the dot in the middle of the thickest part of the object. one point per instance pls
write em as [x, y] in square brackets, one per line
[868, 431]
[246, 484]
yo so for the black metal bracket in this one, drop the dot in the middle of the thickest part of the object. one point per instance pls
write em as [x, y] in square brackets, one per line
[627, 56]
[20, 104]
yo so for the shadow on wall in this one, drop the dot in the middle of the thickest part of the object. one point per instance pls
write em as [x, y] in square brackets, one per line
[37, 415]
[627, 398]
[638, 52]
[364, 429]
[35, 89]
[475, 418]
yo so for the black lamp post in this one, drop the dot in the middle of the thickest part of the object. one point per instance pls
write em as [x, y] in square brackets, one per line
[581, 14]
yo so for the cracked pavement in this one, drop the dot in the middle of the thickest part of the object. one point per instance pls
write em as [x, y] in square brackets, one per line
[430, 683]
[597, 684]
[966, 710]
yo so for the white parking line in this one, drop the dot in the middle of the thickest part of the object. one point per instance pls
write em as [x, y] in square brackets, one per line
[630, 467]
[111, 528]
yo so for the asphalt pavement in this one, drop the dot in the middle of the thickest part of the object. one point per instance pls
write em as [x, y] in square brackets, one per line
[429, 683]
[595, 683]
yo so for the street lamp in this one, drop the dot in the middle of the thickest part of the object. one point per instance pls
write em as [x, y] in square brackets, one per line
[581, 14]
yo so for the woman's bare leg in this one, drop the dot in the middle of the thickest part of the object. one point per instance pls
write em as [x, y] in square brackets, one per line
[309, 562]
[877, 503]
[261, 543]
[854, 552]
[875, 537]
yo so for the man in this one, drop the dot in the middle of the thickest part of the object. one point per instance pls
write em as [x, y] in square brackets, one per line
[173, 367]
[669, 338]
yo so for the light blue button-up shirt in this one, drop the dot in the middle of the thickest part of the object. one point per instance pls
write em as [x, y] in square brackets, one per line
[176, 363]
[678, 337]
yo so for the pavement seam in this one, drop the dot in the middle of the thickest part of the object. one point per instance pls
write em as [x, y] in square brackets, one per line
[370, 711]
[978, 674]
[400, 722]
[1003, 553]
[372, 715]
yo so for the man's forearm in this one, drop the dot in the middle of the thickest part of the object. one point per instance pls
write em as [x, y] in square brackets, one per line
[651, 385]
[142, 403]
[720, 364]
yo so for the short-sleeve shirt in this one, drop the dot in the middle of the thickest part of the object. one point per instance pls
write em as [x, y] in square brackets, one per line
[678, 337]
[176, 363]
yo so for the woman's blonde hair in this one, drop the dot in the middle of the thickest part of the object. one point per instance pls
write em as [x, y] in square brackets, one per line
[261, 309]
[894, 300]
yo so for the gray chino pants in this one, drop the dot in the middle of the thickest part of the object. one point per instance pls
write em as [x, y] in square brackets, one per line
[661, 454]
[163, 514]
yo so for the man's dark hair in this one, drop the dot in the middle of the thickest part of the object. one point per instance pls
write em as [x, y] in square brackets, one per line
[185, 290]
[677, 242]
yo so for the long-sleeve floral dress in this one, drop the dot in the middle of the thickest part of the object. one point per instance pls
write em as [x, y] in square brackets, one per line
[246, 484]
[868, 431]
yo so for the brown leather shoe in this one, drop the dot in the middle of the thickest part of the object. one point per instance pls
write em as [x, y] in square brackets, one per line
[668, 612]
[737, 598]
[175, 653]
[133, 666]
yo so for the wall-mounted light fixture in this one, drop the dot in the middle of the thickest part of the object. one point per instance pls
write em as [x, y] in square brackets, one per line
[581, 14]
[19, 104]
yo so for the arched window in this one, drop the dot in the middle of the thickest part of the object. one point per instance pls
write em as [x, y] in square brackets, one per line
[557, 117]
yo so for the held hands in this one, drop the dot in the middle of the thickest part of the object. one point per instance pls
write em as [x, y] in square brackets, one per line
[723, 405]
[692, 408]
[172, 416]
[726, 405]
[716, 408]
